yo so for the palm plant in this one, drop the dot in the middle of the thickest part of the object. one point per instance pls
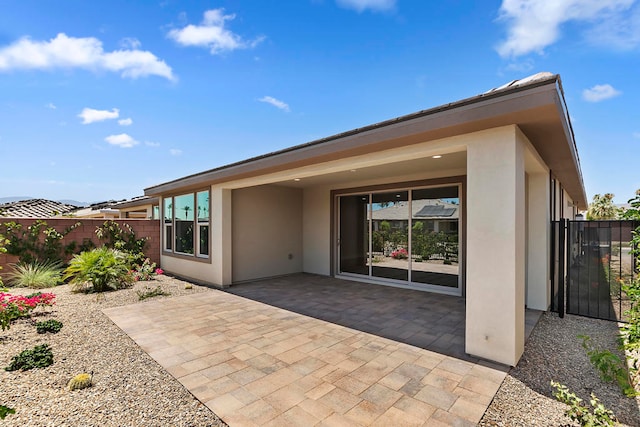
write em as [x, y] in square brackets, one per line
[602, 207]
[36, 275]
[98, 270]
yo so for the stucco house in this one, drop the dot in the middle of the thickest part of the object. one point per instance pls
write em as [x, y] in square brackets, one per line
[507, 157]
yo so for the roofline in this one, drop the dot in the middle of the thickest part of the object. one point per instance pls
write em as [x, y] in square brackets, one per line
[546, 90]
[422, 113]
[145, 200]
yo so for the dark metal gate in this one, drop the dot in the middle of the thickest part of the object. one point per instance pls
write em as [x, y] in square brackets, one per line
[589, 262]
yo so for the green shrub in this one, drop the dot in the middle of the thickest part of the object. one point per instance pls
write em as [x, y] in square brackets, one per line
[122, 239]
[38, 357]
[5, 410]
[52, 326]
[150, 293]
[36, 275]
[101, 269]
[600, 417]
[145, 271]
[611, 367]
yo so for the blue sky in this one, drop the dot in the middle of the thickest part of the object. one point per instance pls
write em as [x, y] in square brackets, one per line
[99, 100]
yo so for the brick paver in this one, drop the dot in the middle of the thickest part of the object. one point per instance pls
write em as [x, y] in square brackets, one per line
[256, 364]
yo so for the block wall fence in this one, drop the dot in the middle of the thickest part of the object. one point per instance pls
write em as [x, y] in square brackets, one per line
[87, 230]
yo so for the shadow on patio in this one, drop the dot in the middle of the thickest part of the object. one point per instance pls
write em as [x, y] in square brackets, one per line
[430, 321]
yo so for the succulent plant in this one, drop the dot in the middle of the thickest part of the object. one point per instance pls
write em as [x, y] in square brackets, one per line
[80, 381]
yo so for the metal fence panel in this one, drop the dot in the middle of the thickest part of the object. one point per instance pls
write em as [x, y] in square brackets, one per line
[598, 261]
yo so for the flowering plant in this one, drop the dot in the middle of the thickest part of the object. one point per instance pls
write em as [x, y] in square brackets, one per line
[145, 271]
[400, 254]
[15, 306]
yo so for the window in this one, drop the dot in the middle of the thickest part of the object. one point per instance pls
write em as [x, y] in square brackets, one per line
[203, 223]
[168, 224]
[186, 224]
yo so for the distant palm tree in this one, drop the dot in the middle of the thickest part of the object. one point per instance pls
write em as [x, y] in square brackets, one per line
[602, 207]
[186, 211]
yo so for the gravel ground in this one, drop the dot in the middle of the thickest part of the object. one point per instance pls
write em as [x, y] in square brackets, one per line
[553, 352]
[129, 387]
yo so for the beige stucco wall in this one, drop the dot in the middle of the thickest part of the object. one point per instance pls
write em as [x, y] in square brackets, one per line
[266, 232]
[496, 246]
[538, 233]
[201, 272]
[316, 234]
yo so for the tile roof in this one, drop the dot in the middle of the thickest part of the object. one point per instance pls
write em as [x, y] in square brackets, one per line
[422, 209]
[34, 208]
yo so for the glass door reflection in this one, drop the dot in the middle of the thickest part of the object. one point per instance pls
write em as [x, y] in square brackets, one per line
[353, 240]
[434, 236]
[390, 235]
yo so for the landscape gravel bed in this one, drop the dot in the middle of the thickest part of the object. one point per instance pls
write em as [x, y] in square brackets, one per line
[129, 387]
[554, 352]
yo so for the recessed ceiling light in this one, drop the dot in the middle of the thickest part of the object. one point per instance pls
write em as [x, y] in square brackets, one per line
[436, 157]
[352, 170]
[296, 179]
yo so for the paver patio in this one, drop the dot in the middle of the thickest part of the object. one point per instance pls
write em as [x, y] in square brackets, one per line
[254, 364]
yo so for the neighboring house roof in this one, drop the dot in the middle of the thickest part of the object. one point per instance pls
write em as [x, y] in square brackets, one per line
[535, 104]
[431, 209]
[34, 208]
[98, 210]
[137, 201]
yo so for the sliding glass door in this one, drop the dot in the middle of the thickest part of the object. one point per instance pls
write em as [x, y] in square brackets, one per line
[353, 240]
[409, 236]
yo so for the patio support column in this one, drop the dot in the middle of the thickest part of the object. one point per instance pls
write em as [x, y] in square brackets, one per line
[495, 246]
[538, 231]
[221, 235]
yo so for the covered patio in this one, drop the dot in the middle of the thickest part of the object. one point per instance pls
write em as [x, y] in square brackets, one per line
[431, 321]
[314, 350]
[422, 319]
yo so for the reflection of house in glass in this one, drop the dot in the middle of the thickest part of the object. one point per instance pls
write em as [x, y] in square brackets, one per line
[436, 215]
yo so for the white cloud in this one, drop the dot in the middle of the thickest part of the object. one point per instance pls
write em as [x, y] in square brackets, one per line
[212, 34]
[599, 93]
[89, 115]
[51, 106]
[620, 31]
[121, 140]
[362, 5]
[130, 43]
[86, 53]
[151, 144]
[125, 122]
[175, 152]
[535, 24]
[275, 102]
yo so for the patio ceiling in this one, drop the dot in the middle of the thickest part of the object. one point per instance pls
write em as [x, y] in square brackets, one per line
[456, 161]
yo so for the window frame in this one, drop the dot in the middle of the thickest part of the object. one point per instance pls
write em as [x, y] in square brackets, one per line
[169, 246]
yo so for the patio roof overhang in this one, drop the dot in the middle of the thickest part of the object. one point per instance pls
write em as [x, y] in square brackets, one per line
[537, 107]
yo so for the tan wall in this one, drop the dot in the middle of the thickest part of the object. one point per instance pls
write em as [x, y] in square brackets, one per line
[496, 246]
[87, 230]
[188, 268]
[316, 235]
[266, 232]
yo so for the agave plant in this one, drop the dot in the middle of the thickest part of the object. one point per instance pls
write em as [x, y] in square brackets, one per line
[101, 269]
[36, 275]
